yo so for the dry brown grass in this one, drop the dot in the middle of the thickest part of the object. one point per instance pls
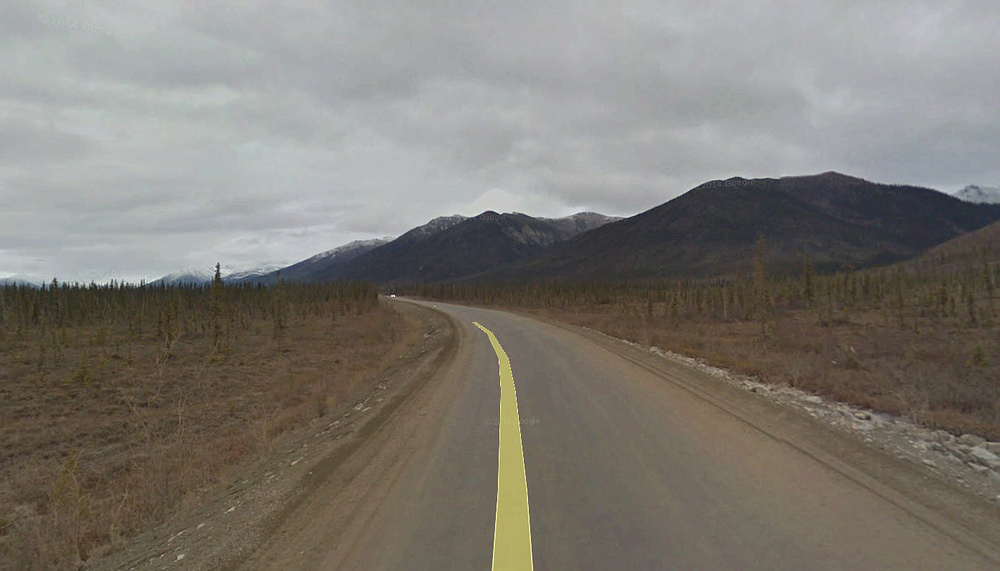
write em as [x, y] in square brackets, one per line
[104, 434]
[934, 372]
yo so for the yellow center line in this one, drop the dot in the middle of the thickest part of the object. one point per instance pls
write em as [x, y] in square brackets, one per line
[512, 535]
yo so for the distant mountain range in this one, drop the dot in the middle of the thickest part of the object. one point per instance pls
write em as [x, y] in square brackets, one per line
[446, 248]
[205, 275]
[708, 231]
[979, 194]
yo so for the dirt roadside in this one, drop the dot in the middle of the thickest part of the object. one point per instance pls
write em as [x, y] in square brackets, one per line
[354, 495]
[233, 519]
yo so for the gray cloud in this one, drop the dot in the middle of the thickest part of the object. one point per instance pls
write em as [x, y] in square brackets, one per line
[24, 141]
[141, 138]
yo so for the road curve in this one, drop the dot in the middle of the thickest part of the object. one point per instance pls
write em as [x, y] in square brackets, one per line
[628, 466]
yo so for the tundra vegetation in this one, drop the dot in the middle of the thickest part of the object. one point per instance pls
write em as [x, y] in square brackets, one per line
[120, 403]
[920, 339]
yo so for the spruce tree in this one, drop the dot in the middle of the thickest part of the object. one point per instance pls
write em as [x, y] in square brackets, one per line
[761, 301]
[215, 307]
[807, 281]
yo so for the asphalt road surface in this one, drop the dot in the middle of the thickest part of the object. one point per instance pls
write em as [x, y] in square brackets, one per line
[628, 464]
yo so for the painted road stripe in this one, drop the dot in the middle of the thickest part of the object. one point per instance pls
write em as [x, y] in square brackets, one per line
[512, 535]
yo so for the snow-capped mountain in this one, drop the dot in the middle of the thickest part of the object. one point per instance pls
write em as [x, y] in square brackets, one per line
[205, 275]
[196, 276]
[250, 274]
[439, 224]
[350, 248]
[979, 194]
[306, 269]
[581, 222]
[16, 280]
[331, 263]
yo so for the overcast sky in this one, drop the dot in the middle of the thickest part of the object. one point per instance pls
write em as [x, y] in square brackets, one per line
[138, 138]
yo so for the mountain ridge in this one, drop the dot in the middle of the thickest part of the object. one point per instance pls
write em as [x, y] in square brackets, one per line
[711, 229]
[467, 247]
[440, 249]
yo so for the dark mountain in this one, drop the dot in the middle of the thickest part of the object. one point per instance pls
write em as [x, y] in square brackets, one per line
[448, 247]
[711, 230]
[330, 264]
[439, 224]
[467, 248]
[335, 263]
[329, 261]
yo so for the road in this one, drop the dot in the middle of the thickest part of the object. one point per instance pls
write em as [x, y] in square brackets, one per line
[628, 464]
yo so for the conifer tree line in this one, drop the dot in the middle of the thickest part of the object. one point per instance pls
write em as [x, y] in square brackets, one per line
[923, 292]
[217, 310]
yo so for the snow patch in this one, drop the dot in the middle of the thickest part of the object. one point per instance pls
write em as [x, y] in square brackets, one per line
[979, 194]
